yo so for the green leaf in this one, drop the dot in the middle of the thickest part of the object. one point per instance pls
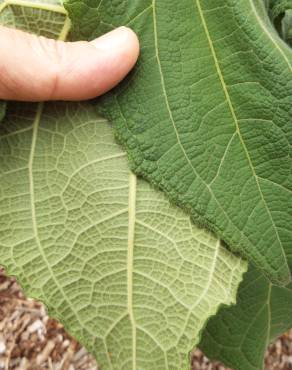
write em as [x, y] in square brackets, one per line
[277, 7]
[125, 271]
[45, 18]
[281, 15]
[239, 335]
[206, 115]
[287, 27]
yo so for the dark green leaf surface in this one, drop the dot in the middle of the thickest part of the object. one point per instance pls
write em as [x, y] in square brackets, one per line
[239, 335]
[278, 7]
[287, 27]
[206, 115]
[281, 15]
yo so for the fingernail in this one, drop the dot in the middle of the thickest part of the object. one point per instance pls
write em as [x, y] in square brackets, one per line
[112, 39]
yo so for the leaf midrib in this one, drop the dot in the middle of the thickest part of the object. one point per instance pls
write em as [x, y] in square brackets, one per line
[172, 119]
[35, 127]
[220, 75]
[36, 124]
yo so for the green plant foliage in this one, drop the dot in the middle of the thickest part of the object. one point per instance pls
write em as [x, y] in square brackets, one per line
[278, 7]
[287, 27]
[206, 115]
[239, 335]
[45, 18]
[125, 271]
[281, 15]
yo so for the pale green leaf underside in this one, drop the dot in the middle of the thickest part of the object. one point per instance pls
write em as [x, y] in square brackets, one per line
[38, 17]
[206, 115]
[125, 271]
[239, 335]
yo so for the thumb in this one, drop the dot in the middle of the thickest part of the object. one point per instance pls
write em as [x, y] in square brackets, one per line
[36, 68]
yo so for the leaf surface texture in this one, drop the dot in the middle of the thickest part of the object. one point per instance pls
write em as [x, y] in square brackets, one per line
[125, 271]
[206, 115]
[239, 335]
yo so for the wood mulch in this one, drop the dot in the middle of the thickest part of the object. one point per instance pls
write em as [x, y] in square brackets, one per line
[30, 340]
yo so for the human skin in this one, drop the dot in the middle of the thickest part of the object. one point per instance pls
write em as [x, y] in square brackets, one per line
[38, 69]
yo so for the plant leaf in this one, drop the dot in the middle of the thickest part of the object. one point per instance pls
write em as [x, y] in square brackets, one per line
[239, 335]
[287, 27]
[125, 271]
[278, 7]
[281, 15]
[206, 115]
[45, 18]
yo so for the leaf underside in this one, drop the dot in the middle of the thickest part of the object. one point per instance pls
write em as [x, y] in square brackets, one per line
[125, 271]
[206, 115]
[239, 335]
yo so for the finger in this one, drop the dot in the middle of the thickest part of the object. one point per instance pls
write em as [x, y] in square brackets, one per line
[36, 68]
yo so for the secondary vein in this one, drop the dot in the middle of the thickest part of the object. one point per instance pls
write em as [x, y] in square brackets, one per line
[130, 260]
[176, 131]
[236, 122]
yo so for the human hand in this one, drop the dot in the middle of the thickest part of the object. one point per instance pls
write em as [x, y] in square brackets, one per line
[36, 69]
